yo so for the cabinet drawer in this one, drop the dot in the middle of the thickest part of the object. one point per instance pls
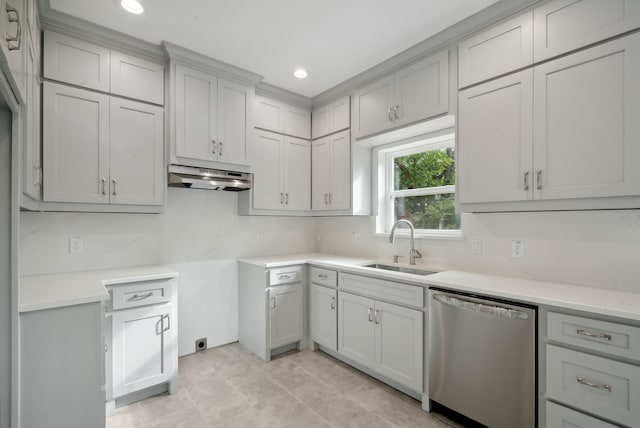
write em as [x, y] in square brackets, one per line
[598, 385]
[141, 293]
[396, 292]
[563, 417]
[324, 277]
[612, 338]
[563, 25]
[286, 275]
[75, 61]
[137, 78]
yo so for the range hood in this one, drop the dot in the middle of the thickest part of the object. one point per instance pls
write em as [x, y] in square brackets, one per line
[209, 179]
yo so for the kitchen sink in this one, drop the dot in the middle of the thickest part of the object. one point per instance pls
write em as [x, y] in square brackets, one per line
[402, 269]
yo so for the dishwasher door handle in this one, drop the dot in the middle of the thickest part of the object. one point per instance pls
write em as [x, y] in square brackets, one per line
[469, 305]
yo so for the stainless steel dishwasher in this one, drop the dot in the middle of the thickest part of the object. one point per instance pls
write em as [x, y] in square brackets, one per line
[482, 358]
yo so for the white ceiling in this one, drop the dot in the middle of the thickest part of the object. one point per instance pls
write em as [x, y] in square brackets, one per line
[333, 39]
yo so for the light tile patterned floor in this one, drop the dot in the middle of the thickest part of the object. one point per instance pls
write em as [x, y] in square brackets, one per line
[229, 386]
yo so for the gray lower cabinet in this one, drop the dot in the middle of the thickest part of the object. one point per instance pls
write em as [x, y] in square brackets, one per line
[285, 315]
[62, 367]
[324, 319]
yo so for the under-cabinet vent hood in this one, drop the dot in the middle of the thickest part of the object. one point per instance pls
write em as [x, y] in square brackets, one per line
[209, 179]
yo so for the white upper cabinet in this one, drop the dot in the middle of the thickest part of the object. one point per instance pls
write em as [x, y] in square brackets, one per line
[276, 116]
[32, 148]
[564, 25]
[13, 44]
[331, 172]
[211, 116]
[495, 140]
[331, 118]
[505, 47]
[415, 93]
[297, 174]
[136, 78]
[74, 61]
[586, 127]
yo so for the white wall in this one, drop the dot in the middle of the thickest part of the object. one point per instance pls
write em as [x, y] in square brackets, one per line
[199, 234]
[593, 248]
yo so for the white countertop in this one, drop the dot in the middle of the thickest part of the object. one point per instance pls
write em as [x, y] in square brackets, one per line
[622, 304]
[49, 291]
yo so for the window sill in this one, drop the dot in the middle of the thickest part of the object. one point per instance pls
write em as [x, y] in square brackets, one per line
[454, 235]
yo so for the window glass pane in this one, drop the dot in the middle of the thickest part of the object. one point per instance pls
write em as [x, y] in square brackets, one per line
[428, 211]
[427, 169]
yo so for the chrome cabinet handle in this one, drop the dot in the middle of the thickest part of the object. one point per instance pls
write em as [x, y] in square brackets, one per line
[104, 186]
[13, 16]
[370, 313]
[330, 198]
[140, 296]
[213, 146]
[326, 199]
[602, 386]
[281, 198]
[286, 199]
[539, 179]
[273, 303]
[526, 180]
[396, 112]
[333, 303]
[219, 148]
[114, 186]
[390, 115]
[376, 316]
[594, 335]
[168, 323]
[37, 175]
[323, 275]
[285, 276]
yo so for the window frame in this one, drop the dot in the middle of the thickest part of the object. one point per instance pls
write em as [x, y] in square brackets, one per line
[387, 195]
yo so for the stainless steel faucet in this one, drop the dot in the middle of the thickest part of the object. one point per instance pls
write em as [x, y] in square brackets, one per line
[413, 253]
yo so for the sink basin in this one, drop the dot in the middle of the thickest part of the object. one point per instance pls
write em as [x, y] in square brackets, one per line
[403, 269]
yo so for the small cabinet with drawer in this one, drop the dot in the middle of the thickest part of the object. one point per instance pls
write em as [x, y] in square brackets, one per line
[592, 366]
[323, 306]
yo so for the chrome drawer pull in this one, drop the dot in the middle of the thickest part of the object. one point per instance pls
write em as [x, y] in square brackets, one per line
[141, 296]
[376, 317]
[333, 302]
[370, 313]
[285, 276]
[594, 335]
[323, 275]
[602, 386]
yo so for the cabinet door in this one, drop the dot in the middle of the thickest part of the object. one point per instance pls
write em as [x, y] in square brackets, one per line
[269, 115]
[267, 174]
[13, 52]
[422, 90]
[587, 130]
[75, 144]
[32, 169]
[340, 171]
[355, 328]
[136, 151]
[297, 174]
[142, 347]
[196, 115]
[502, 48]
[285, 315]
[324, 317]
[340, 114]
[398, 344]
[321, 173]
[373, 108]
[297, 122]
[320, 122]
[74, 61]
[564, 25]
[495, 140]
[137, 78]
[233, 105]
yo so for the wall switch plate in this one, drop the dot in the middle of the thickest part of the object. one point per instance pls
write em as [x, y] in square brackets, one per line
[260, 237]
[517, 249]
[354, 237]
[318, 236]
[76, 245]
[476, 247]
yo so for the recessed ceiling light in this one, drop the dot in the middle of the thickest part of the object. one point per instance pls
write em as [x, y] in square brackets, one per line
[300, 73]
[132, 6]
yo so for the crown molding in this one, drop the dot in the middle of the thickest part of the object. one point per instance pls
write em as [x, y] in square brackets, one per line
[273, 92]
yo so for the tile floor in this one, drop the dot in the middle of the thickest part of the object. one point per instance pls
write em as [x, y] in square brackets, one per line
[229, 386]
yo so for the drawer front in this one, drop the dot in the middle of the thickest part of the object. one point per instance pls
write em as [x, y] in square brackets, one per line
[395, 292]
[142, 293]
[612, 338]
[598, 385]
[286, 275]
[562, 417]
[324, 277]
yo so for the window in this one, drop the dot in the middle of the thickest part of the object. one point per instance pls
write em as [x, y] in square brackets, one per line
[417, 183]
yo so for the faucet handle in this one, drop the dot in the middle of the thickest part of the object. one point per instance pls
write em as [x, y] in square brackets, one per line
[416, 254]
[396, 259]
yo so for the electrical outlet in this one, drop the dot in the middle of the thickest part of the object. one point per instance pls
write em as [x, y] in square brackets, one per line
[201, 344]
[76, 245]
[517, 249]
[354, 237]
[318, 236]
[476, 247]
[260, 237]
